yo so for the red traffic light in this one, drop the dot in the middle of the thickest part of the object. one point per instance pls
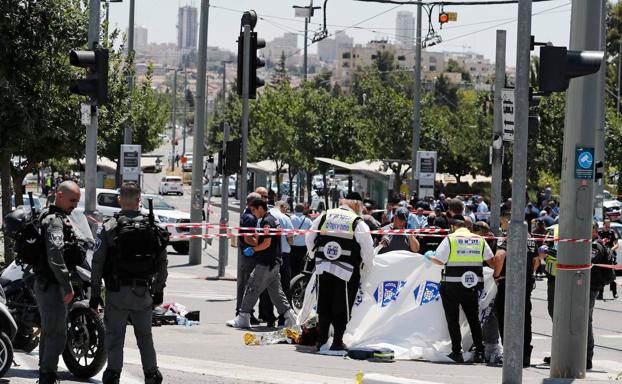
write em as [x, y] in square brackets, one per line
[443, 17]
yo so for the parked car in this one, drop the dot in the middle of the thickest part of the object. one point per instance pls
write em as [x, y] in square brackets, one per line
[612, 209]
[106, 202]
[165, 213]
[187, 166]
[37, 202]
[171, 184]
[216, 188]
[164, 137]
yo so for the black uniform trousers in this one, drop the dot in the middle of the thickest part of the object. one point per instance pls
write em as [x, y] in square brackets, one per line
[454, 296]
[297, 259]
[334, 304]
[266, 308]
[500, 312]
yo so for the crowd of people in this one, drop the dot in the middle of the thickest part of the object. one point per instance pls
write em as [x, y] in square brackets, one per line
[346, 236]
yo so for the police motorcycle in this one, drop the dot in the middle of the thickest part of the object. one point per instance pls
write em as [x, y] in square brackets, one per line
[298, 284]
[8, 329]
[84, 353]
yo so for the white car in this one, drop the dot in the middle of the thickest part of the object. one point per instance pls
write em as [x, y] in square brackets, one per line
[171, 184]
[187, 166]
[165, 213]
[106, 202]
[37, 203]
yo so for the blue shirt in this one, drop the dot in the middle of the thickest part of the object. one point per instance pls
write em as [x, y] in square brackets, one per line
[299, 221]
[247, 220]
[285, 223]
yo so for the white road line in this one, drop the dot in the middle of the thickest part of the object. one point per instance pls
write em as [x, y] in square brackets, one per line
[619, 336]
[234, 371]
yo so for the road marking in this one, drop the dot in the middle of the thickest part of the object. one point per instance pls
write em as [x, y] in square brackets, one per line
[234, 371]
[610, 336]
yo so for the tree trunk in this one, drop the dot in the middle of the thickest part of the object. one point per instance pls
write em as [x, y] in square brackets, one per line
[325, 190]
[309, 187]
[5, 181]
[18, 189]
[397, 182]
[458, 177]
[291, 189]
[278, 181]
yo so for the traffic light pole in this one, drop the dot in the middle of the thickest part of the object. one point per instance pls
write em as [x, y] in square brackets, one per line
[183, 148]
[174, 119]
[516, 263]
[497, 135]
[196, 198]
[224, 209]
[245, 90]
[90, 166]
[599, 151]
[128, 131]
[416, 126]
[572, 284]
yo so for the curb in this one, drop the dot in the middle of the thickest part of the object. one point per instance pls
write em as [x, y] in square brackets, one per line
[376, 378]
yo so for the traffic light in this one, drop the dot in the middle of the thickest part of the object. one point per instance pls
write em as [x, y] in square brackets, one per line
[598, 171]
[233, 159]
[240, 78]
[558, 65]
[95, 86]
[443, 18]
[256, 62]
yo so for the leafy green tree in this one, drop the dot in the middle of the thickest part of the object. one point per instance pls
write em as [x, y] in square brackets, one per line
[455, 67]
[445, 94]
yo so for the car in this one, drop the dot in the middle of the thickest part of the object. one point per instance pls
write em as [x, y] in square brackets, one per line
[171, 184]
[165, 213]
[187, 166]
[106, 202]
[38, 205]
[163, 136]
[216, 188]
[612, 209]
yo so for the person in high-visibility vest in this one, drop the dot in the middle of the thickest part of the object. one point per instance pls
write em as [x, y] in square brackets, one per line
[339, 250]
[463, 254]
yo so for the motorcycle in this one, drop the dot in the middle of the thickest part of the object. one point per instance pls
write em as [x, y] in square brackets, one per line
[298, 284]
[8, 329]
[84, 354]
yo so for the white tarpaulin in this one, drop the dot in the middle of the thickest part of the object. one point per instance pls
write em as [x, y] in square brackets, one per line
[399, 307]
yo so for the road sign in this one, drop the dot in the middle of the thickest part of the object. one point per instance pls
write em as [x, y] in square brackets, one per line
[426, 171]
[130, 162]
[584, 163]
[507, 112]
[85, 115]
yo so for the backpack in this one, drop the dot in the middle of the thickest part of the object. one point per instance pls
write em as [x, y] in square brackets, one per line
[23, 226]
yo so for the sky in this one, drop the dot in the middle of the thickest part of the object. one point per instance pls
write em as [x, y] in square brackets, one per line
[474, 31]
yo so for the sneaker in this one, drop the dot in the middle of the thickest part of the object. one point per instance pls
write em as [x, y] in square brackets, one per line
[599, 297]
[243, 320]
[456, 357]
[478, 357]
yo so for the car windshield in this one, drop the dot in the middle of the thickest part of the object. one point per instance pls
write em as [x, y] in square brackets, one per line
[158, 203]
[27, 201]
[174, 179]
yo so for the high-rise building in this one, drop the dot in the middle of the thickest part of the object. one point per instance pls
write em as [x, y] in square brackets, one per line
[187, 28]
[405, 29]
[140, 37]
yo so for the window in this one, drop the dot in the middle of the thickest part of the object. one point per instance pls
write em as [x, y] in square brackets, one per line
[346, 64]
[374, 57]
[432, 68]
[108, 200]
[401, 58]
[345, 55]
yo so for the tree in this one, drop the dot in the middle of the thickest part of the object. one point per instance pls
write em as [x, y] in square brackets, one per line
[445, 93]
[280, 76]
[455, 67]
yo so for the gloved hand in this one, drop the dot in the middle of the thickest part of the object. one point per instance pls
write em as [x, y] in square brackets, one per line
[249, 251]
[95, 302]
[158, 298]
[429, 254]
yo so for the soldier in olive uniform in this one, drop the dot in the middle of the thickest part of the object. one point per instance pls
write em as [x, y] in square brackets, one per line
[131, 257]
[53, 286]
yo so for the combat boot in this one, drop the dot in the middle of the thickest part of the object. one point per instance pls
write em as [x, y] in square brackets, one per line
[47, 378]
[290, 319]
[111, 377]
[153, 376]
[243, 320]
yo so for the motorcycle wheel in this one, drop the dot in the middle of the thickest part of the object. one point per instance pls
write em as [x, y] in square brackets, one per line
[298, 286]
[85, 354]
[6, 353]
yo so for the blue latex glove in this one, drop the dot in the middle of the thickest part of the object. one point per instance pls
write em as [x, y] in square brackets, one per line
[249, 251]
[429, 254]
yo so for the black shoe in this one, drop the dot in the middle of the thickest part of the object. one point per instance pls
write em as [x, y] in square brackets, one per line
[47, 378]
[111, 377]
[270, 324]
[599, 297]
[338, 347]
[526, 363]
[254, 320]
[615, 295]
[547, 360]
[478, 357]
[153, 376]
[456, 357]
[588, 365]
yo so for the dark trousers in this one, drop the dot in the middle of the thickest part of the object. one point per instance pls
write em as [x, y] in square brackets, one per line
[335, 204]
[53, 324]
[455, 296]
[297, 259]
[550, 295]
[334, 304]
[266, 308]
[499, 313]
[245, 267]
[612, 286]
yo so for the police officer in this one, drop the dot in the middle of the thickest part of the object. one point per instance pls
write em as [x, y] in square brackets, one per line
[463, 254]
[338, 255]
[53, 285]
[131, 257]
[610, 239]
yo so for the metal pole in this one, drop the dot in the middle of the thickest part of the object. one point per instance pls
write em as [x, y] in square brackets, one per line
[572, 284]
[90, 166]
[304, 65]
[128, 132]
[246, 71]
[107, 22]
[599, 150]
[497, 135]
[174, 119]
[416, 102]
[183, 149]
[196, 204]
[516, 264]
[224, 211]
[619, 76]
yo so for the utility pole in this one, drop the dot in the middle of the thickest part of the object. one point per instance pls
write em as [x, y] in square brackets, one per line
[128, 132]
[572, 283]
[416, 102]
[90, 166]
[174, 118]
[599, 150]
[497, 135]
[183, 149]
[196, 203]
[619, 76]
[517, 245]
[245, 89]
[224, 186]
